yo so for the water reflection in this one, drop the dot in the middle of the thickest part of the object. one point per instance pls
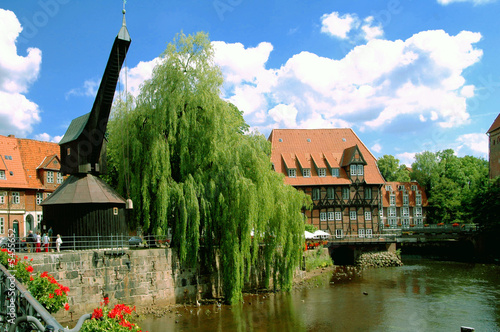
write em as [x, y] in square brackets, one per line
[420, 296]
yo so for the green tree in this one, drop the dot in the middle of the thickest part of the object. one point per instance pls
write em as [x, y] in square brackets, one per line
[425, 169]
[186, 159]
[391, 169]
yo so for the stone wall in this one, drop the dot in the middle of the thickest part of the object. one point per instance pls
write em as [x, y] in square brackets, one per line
[134, 277]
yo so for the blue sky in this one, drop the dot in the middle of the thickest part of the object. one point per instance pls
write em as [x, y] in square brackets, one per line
[406, 75]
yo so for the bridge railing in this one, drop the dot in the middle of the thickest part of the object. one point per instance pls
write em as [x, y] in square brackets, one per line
[20, 311]
[433, 228]
[355, 238]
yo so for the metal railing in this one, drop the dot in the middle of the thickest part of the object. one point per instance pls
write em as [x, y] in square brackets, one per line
[74, 242]
[20, 311]
[434, 228]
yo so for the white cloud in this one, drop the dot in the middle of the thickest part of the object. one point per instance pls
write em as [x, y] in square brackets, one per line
[371, 31]
[338, 26]
[285, 115]
[17, 73]
[137, 75]
[406, 158]
[376, 147]
[475, 2]
[47, 138]
[89, 89]
[477, 142]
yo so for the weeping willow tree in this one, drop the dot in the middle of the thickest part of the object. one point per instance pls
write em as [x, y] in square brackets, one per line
[188, 162]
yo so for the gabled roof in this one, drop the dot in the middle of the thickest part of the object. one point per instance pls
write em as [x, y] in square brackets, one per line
[50, 163]
[75, 129]
[322, 148]
[495, 125]
[351, 155]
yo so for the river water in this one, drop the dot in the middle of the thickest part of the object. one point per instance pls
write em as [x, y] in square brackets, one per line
[422, 295]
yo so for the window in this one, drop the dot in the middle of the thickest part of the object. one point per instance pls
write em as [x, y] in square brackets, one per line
[418, 222]
[292, 172]
[368, 215]
[339, 233]
[115, 211]
[306, 172]
[47, 195]
[388, 188]
[401, 187]
[38, 218]
[368, 193]
[392, 222]
[406, 222]
[338, 215]
[2, 229]
[335, 172]
[369, 233]
[2, 197]
[381, 213]
[321, 172]
[16, 198]
[361, 232]
[418, 200]
[414, 187]
[331, 216]
[2, 175]
[322, 216]
[354, 170]
[316, 194]
[345, 193]
[392, 200]
[353, 215]
[405, 200]
[360, 169]
[60, 178]
[418, 212]
[50, 177]
[330, 192]
[392, 212]
[39, 198]
[405, 212]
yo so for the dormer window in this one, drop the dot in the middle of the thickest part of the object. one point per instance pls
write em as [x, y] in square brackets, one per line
[50, 177]
[292, 172]
[60, 178]
[321, 172]
[306, 172]
[360, 169]
[414, 187]
[392, 200]
[388, 187]
[354, 170]
[335, 172]
[401, 187]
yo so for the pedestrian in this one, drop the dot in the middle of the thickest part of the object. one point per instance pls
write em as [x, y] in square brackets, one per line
[45, 241]
[38, 242]
[30, 240]
[58, 243]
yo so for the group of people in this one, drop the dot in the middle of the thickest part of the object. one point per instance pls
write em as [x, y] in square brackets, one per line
[37, 240]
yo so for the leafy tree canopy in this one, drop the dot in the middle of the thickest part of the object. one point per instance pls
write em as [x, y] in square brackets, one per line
[391, 169]
[186, 159]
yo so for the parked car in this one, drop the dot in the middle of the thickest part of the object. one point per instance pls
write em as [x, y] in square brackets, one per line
[135, 241]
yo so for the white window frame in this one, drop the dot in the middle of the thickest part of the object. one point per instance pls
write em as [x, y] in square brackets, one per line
[388, 188]
[331, 216]
[50, 176]
[330, 192]
[369, 233]
[392, 200]
[16, 197]
[339, 233]
[418, 200]
[368, 193]
[316, 194]
[406, 199]
[346, 193]
[39, 198]
[321, 172]
[306, 172]
[354, 170]
[393, 221]
[292, 172]
[2, 197]
[322, 216]
[418, 212]
[381, 212]
[401, 187]
[405, 212]
[392, 212]
[414, 187]
[59, 177]
[368, 215]
[361, 233]
[2, 175]
[419, 221]
[338, 215]
[406, 222]
[353, 215]
[335, 172]
[360, 169]
[2, 226]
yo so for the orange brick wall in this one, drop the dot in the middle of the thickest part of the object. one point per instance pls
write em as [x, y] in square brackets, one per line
[495, 153]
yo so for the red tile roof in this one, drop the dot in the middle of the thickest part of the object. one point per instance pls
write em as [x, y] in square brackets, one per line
[27, 155]
[495, 125]
[328, 145]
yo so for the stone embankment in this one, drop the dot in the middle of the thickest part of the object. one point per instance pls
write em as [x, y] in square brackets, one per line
[378, 259]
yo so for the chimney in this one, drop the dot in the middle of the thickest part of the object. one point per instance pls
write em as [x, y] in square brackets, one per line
[12, 136]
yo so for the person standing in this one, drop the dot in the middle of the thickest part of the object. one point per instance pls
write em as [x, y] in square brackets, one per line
[45, 241]
[30, 240]
[58, 243]
[38, 241]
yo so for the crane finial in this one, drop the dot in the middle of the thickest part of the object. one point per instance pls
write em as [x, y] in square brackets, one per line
[123, 11]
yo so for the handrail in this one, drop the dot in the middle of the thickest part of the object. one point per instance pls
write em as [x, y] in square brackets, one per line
[26, 310]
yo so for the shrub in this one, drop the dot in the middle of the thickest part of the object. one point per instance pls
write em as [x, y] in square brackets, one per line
[116, 319]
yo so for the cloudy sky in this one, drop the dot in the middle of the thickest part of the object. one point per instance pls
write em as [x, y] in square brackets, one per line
[406, 75]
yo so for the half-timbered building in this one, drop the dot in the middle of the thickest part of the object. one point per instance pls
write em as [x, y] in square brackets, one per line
[340, 174]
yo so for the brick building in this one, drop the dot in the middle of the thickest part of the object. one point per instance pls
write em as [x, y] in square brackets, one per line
[403, 204]
[494, 138]
[29, 172]
[338, 171]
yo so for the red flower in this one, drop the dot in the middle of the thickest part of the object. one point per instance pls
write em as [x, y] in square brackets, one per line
[29, 268]
[106, 300]
[66, 307]
[51, 296]
[31, 260]
[58, 291]
[31, 278]
[25, 257]
[97, 314]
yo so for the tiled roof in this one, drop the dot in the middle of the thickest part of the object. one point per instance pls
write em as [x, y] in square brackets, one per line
[309, 146]
[27, 155]
[495, 125]
[399, 196]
